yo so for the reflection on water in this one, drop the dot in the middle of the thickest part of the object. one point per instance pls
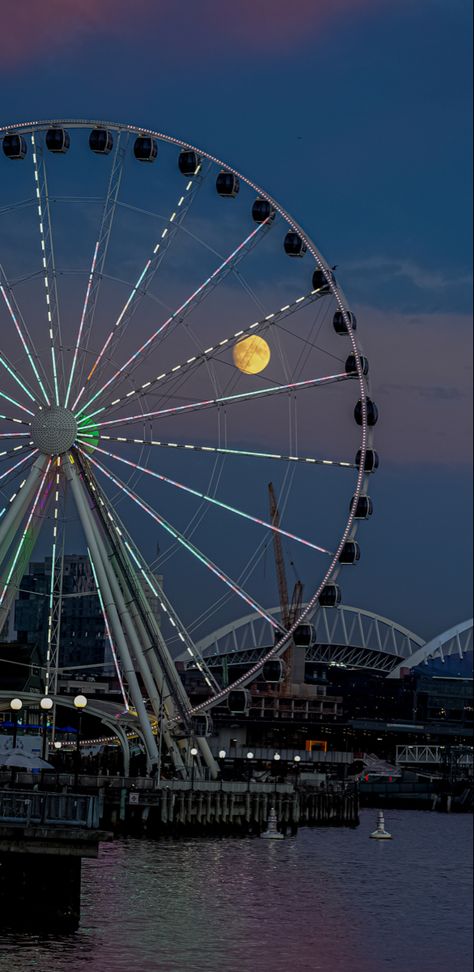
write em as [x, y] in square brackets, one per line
[329, 900]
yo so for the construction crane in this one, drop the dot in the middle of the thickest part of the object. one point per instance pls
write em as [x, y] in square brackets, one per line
[290, 611]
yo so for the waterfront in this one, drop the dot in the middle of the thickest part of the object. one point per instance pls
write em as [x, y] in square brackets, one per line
[330, 899]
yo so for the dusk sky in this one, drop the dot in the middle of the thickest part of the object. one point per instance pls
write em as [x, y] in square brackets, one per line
[357, 119]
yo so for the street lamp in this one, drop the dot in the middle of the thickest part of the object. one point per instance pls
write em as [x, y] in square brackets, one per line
[46, 704]
[80, 703]
[194, 753]
[297, 761]
[222, 754]
[16, 706]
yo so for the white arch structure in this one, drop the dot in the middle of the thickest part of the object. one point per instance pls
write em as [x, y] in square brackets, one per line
[343, 635]
[110, 714]
[456, 641]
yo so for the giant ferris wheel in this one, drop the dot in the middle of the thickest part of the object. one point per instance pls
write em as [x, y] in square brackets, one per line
[171, 341]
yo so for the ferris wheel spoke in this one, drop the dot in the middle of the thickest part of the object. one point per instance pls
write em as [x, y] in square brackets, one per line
[17, 421]
[13, 401]
[4, 453]
[21, 329]
[98, 260]
[18, 464]
[266, 322]
[224, 400]
[48, 260]
[153, 584]
[38, 496]
[210, 499]
[148, 272]
[178, 315]
[190, 547]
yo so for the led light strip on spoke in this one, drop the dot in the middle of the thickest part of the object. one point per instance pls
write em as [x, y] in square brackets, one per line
[176, 314]
[25, 532]
[16, 317]
[157, 592]
[12, 372]
[148, 272]
[220, 450]
[13, 401]
[18, 448]
[9, 418]
[265, 322]
[47, 286]
[185, 543]
[81, 325]
[183, 635]
[210, 499]
[225, 400]
[20, 463]
[109, 634]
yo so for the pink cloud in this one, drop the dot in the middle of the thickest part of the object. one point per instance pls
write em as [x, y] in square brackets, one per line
[258, 24]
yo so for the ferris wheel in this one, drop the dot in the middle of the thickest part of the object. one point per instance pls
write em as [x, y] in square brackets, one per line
[171, 341]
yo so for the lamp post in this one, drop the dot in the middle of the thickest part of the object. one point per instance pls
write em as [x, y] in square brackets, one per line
[80, 703]
[16, 706]
[46, 704]
[194, 753]
[297, 761]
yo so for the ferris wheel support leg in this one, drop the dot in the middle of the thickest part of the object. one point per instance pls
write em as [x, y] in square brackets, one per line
[90, 532]
[13, 517]
[164, 693]
[152, 688]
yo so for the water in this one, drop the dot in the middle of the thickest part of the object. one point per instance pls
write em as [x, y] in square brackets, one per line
[329, 900]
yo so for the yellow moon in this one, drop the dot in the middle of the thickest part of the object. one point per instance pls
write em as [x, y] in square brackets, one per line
[251, 355]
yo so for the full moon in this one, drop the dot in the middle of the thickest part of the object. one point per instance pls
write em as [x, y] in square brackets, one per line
[251, 355]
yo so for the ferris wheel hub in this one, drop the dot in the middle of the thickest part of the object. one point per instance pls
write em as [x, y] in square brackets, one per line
[53, 430]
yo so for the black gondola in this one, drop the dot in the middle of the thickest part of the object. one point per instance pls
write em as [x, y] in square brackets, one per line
[238, 701]
[350, 366]
[145, 148]
[371, 460]
[262, 210]
[14, 146]
[293, 245]
[188, 162]
[304, 635]
[101, 141]
[273, 670]
[330, 596]
[58, 140]
[227, 184]
[372, 412]
[320, 281]
[350, 553]
[339, 323]
[363, 508]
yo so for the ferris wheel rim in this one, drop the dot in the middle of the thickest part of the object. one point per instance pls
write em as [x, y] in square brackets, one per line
[336, 290]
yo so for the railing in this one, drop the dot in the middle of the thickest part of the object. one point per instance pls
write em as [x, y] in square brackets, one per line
[27, 808]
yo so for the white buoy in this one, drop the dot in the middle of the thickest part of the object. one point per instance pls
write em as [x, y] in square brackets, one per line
[381, 833]
[272, 832]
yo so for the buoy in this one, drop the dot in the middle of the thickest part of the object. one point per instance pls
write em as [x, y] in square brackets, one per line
[272, 832]
[381, 833]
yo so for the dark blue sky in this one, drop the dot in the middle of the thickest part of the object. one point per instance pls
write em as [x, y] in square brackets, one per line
[358, 122]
